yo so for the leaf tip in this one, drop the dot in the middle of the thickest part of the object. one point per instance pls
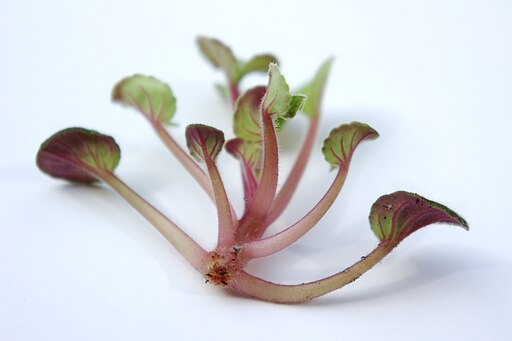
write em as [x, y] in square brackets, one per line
[395, 216]
[204, 142]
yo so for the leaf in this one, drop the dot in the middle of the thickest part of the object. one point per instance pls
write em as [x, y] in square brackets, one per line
[258, 63]
[222, 90]
[204, 142]
[246, 120]
[315, 88]
[78, 155]
[245, 151]
[151, 97]
[296, 104]
[342, 141]
[220, 56]
[395, 216]
[249, 155]
[277, 99]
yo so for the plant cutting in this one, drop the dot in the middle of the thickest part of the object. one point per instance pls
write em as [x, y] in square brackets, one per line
[86, 156]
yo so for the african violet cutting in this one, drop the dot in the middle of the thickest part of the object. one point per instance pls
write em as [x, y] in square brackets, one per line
[87, 156]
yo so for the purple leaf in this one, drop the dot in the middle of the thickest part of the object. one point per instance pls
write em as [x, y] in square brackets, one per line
[204, 142]
[395, 216]
[78, 155]
[249, 155]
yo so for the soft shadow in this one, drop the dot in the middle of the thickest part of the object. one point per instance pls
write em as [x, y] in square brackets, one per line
[432, 265]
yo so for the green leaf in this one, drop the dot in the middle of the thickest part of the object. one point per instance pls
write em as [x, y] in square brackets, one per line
[246, 120]
[222, 91]
[245, 151]
[342, 141]
[78, 155]
[315, 89]
[151, 97]
[395, 216]
[204, 142]
[258, 63]
[296, 104]
[277, 99]
[220, 56]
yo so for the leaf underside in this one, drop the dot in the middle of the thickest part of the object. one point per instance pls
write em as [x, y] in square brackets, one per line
[249, 155]
[152, 97]
[395, 216]
[220, 55]
[246, 119]
[339, 146]
[204, 142]
[258, 63]
[78, 155]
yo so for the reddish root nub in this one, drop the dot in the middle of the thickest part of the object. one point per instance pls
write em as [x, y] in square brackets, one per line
[221, 267]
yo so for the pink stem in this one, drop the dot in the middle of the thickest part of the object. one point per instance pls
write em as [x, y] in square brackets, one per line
[190, 165]
[225, 221]
[268, 246]
[253, 286]
[185, 245]
[251, 225]
[233, 92]
[288, 189]
[249, 182]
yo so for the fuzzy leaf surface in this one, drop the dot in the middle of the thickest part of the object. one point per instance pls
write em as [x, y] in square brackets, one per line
[78, 155]
[150, 96]
[245, 151]
[277, 99]
[246, 120]
[395, 216]
[296, 104]
[204, 142]
[342, 141]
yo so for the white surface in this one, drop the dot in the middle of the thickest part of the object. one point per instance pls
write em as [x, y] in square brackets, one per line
[433, 77]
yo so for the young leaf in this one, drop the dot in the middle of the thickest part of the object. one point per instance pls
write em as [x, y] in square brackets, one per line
[246, 120]
[259, 63]
[150, 96]
[249, 154]
[395, 216]
[296, 104]
[78, 155]
[204, 142]
[315, 88]
[342, 141]
[245, 151]
[220, 56]
[277, 99]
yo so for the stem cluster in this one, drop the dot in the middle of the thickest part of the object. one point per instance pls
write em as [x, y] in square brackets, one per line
[86, 156]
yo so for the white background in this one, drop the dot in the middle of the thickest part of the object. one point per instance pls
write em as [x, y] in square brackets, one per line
[433, 77]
